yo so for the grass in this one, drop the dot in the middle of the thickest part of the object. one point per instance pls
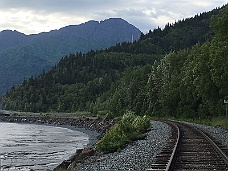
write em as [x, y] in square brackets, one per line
[217, 121]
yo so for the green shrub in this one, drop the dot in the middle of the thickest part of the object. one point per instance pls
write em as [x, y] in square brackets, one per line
[114, 139]
[141, 124]
[128, 117]
[131, 127]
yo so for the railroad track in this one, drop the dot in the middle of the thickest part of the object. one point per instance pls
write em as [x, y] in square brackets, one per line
[190, 149]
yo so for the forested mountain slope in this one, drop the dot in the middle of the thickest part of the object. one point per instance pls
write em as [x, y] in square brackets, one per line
[22, 56]
[191, 82]
[176, 36]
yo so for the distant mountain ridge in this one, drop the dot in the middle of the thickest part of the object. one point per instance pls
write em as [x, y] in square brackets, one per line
[22, 56]
[9, 38]
[12, 38]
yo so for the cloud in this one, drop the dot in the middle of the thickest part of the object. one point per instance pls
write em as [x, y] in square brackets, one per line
[54, 6]
[36, 16]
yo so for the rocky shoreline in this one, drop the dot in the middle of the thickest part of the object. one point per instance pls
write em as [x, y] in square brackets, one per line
[94, 127]
[94, 124]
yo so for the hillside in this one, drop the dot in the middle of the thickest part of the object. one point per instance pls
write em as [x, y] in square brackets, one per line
[22, 56]
[185, 80]
[175, 36]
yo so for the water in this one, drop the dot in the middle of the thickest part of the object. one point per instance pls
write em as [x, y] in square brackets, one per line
[40, 147]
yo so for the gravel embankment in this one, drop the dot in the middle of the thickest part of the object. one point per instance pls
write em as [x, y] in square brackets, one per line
[141, 154]
[218, 133]
[136, 156]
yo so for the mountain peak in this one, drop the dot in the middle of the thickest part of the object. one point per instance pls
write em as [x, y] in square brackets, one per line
[9, 38]
[52, 46]
[7, 31]
[116, 20]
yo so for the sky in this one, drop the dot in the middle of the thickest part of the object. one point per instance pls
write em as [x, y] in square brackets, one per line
[35, 16]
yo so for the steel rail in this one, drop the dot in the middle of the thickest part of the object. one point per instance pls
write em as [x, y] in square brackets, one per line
[223, 156]
[165, 164]
[215, 146]
[166, 161]
[174, 149]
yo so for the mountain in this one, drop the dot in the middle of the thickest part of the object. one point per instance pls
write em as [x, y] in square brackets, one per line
[174, 37]
[22, 56]
[9, 38]
[148, 76]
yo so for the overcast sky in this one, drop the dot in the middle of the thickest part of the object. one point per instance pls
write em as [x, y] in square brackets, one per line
[34, 16]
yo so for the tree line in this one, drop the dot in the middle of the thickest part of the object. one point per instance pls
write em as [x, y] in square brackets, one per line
[158, 75]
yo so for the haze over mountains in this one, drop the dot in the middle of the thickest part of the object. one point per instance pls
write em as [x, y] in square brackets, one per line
[22, 56]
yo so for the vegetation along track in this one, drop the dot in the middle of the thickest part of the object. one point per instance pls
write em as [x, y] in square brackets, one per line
[190, 149]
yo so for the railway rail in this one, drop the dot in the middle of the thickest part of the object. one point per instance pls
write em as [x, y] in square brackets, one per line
[190, 149]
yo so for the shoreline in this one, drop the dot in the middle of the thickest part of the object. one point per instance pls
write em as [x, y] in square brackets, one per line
[93, 127]
[92, 134]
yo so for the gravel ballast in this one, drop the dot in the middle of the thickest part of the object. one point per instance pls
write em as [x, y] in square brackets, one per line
[218, 133]
[136, 156]
[140, 154]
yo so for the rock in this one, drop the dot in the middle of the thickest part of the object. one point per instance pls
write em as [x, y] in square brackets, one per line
[86, 152]
[80, 157]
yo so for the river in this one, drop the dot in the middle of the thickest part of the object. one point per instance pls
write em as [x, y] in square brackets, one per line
[40, 147]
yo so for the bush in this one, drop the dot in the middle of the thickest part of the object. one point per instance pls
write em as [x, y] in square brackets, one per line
[131, 127]
[141, 124]
[128, 117]
[113, 140]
